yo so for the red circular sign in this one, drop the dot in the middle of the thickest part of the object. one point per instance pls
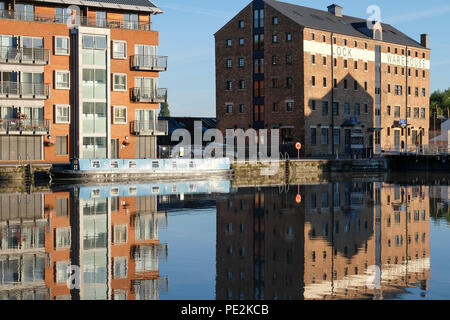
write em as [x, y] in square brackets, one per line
[298, 145]
[298, 198]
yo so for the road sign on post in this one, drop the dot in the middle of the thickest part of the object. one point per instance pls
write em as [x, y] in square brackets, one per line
[298, 146]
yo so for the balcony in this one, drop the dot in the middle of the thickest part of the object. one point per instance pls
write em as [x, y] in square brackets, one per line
[23, 90]
[144, 94]
[149, 63]
[15, 55]
[150, 128]
[77, 20]
[24, 127]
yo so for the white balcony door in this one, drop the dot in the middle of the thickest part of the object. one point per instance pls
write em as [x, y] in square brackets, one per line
[144, 54]
[146, 86]
[145, 119]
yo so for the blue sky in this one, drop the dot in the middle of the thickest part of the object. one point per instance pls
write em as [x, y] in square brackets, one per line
[187, 28]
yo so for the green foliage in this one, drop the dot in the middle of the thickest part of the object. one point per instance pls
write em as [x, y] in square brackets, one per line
[164, 110]
[442, 100]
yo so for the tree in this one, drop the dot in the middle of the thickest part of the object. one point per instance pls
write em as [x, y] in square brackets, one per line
[164, 110]
[442, 100]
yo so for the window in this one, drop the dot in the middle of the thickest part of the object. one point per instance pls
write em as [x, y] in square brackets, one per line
[229, 108]
[337, 136]
[241, 62]
[241, 108]
[120, 234]
[324, 61]
[345, 84]
[288, 37]
[324, 39]
[366, 108]
[313, 59]
[313, 105]
[119, 49]
[229, 63]
[62, 113]
[229, 85]
[100, 18]
[313, 137]
[422, 113]
[131, 21]
[313, 81]
[408, 112]
[289, 106]
[397, 112]
[274, 60]
[324, 136]
[62, 207]
[241, 41]
[288, 59]
[241, 84]
[241, 24]
[275, 20]
[258, 18]
[120, 267]
[120, 115]
[355, 85]
[416, 92]
[259, 66]
[229, 42]
[62, 238]
[275, 107]
[356, 65]
[62, 15]
[258, 42]
[313, 37]
[62, 46]
[62, 148]
[289, 82]
[324, 82]
[275, 83]
[357, 109]
[416, 113]
[346, 108]
[62, 79]
[324, 108]
[423, 92]
[25, 11]
[62, 271]
[119, 82]
[365, 66]
[398, 90]
[345, 64]
[335, 109]
[275, 38]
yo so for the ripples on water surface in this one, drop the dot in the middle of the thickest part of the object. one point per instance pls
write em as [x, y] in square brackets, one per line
[352, 238]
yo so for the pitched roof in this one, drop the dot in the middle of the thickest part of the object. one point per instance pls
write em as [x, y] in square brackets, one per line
[326, 21]
[137, 5]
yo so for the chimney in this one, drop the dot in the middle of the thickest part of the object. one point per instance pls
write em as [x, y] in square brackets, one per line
[335, 10]
[424, 40]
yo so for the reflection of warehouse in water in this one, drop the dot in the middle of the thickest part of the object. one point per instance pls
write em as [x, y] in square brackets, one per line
[269, 247]
[111, 232]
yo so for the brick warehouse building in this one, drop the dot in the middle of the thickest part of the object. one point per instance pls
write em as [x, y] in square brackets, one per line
[324, 79]
[86, 90]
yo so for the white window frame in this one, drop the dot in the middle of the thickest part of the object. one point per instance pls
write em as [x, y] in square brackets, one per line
[114, 113]
[121, 226]
[57, 106]
[114, 53]
[56, 49]
[114, 82]
[58, 232]
[56, 82]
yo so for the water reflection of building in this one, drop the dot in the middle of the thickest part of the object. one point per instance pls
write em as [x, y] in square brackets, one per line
[110, 232]
[326, 246]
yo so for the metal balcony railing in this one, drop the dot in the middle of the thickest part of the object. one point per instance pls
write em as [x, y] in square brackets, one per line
[35, 56]
[11, 126]
[76, 20]
[429, 150]
[24, 90]
[146, 62]
[143, 94]
[154, 128]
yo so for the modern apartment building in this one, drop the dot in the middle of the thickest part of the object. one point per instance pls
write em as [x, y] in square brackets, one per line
[333, 82]
[79, 79]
